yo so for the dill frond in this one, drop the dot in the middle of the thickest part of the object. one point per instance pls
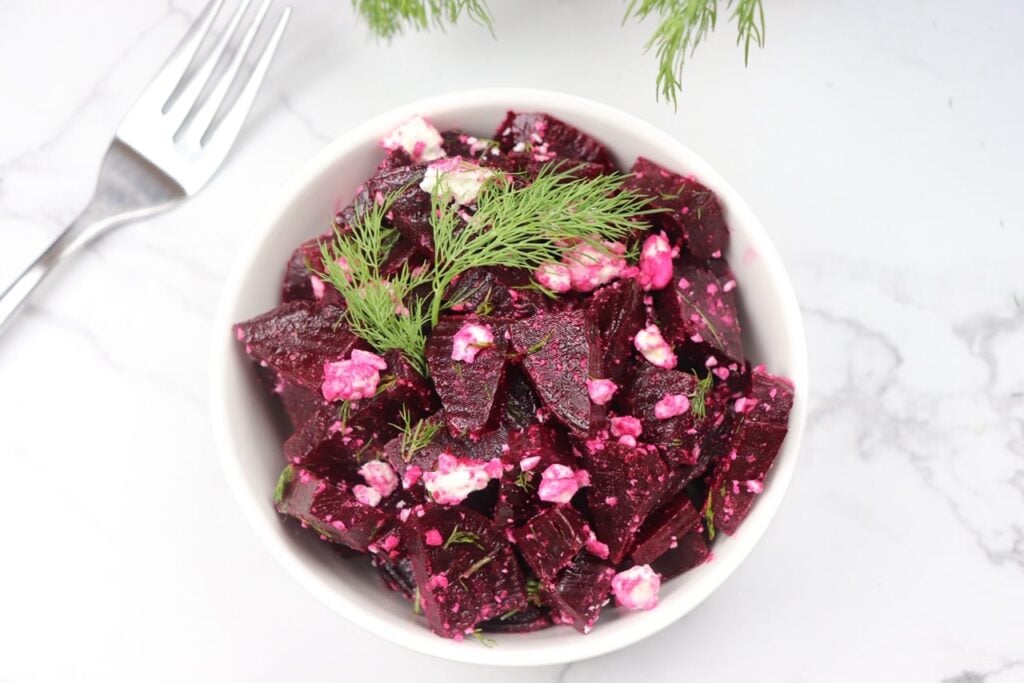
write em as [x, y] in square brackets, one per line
[389, 18]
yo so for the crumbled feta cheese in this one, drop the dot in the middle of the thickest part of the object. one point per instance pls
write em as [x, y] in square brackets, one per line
[637, 588]
[470, 340]
[529, 462]
[416, 136]
[354, 378]
[554, 276]
[601, 390]
[411, 476]
[317, 286]
[459, 180]
[590, 267]
[654, 348]
[433, 538]
[559, 483]
[626, 426]
[656, 262]
[366, 495]
[379, 475]
[671, 405]
[454, 479]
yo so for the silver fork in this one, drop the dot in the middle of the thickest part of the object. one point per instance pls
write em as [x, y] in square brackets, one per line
[167, 147]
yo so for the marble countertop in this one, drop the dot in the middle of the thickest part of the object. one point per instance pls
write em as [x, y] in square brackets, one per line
[880, 144]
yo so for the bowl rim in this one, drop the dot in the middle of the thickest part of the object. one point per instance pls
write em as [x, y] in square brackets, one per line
[251, 503]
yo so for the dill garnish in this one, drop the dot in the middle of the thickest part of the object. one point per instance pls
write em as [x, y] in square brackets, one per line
[462, 537]
[415, 437]
[698, 399]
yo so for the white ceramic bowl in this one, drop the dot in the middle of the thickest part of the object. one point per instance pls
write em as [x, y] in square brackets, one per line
[250, 441]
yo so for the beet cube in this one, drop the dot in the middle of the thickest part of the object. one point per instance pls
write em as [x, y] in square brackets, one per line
[296, 340]
[616, 311]
[532, 618]
[663, 529]
[517, 491]
[520, 401]
[556, 350]
[297, 284]
[678, 437]
[691, 551]
[329, 509]
[410, 212]
[626, 483]
[545, 137]
[471, 577]
[549, 541]
[699, 312]
[396, 574]
[579, 592]
[468, 391]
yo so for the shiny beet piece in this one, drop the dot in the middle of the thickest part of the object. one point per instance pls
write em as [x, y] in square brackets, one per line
[299, 275]
[698, 311]
[472, 577]
[520, 403]
[410, 212]
[739, 476]
[396, 574]
[329, 509]
[663, 529]
[468, 391]
[679, 437]
[532, 618]
[691, 551]
[297, 339]
[498, 292]
[578, 593]
[556, 355]
[616, 311]
[626, 483]
[517, 491]
[396, 158]
[691, 212]
[543, 134]
[549, 541]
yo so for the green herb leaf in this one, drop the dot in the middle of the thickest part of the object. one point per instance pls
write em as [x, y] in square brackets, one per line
[415, 437]
[476, 566]
[388, 18]
[417, 605]
[508, 615]
[533, 591]
[462, 537]
[484, 640]
[698, 399]
[283, 482]
[524, 479]
[709, 518]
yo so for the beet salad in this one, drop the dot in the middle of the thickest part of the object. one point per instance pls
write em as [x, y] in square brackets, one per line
[516, 378]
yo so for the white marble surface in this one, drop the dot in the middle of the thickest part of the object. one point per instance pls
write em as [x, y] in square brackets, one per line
[880, 143]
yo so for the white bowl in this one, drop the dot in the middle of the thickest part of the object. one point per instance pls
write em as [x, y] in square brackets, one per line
[250, 441]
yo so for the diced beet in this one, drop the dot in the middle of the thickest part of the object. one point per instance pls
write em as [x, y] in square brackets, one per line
[663, 529]
[404, 253]
[468, 391]
[468, 582]
[300, 403]
[617, 313]
[396, 158]
[698, 311]
[397, 575]
[626, 483]
[579, 592]
[556, 355]
[410, 212]
[520, 401]
[691, 551]
[317, 446]
[739, 476]
[298, 274]
[549, 541]
[297, 339]
[691, 215]
[330, 509]
[543, 135]
[498, 292]
[517, 492]
[527, 620]
[679, 437]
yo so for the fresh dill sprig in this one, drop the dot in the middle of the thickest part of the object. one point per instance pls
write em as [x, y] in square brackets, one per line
[462, 537]
[508, 615]
[379, 310]
[709, 518]
[484, 640]
[533, 591]
[524, 479]
[477, 566]
[415, 437]
[698, 399]
[388, 18]
[685, 24]
[526, 226]
[287, 475]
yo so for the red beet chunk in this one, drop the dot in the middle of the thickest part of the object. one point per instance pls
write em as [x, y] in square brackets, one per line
[549, 541]
[698, 311]
[296, 340]
[396, 158]
[410, 212]
[468, 391]
[520, 402]
[498, 292]
[467, 582]
[396, 574]
[691, 551]
[329, 509]
[300, 403]
[679, 438]
[691, 215]
[556, 351]
[545, 137]
[579, 592]
[403, 254]
[517, 491]
[663, 530]
[297, 285]
[626, 483]
[527, 620]
[617, 313]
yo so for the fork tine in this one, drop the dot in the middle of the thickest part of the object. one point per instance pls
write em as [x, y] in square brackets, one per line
[223, 136]
[159, 91]
[208, 109]
[175, 114]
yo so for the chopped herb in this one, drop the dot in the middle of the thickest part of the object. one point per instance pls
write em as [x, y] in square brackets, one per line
[415, 437]
[485, 307]
[539, 345]
[462, 537]
[476, 566]
[533, 591]
[386, 382]
[709, 517]
[524, 479]
[484, 640]
[283, 482]
[344, 412]
[417, 606]
[698, 399]
[457, 368]
[538, 287]
[389, 18]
